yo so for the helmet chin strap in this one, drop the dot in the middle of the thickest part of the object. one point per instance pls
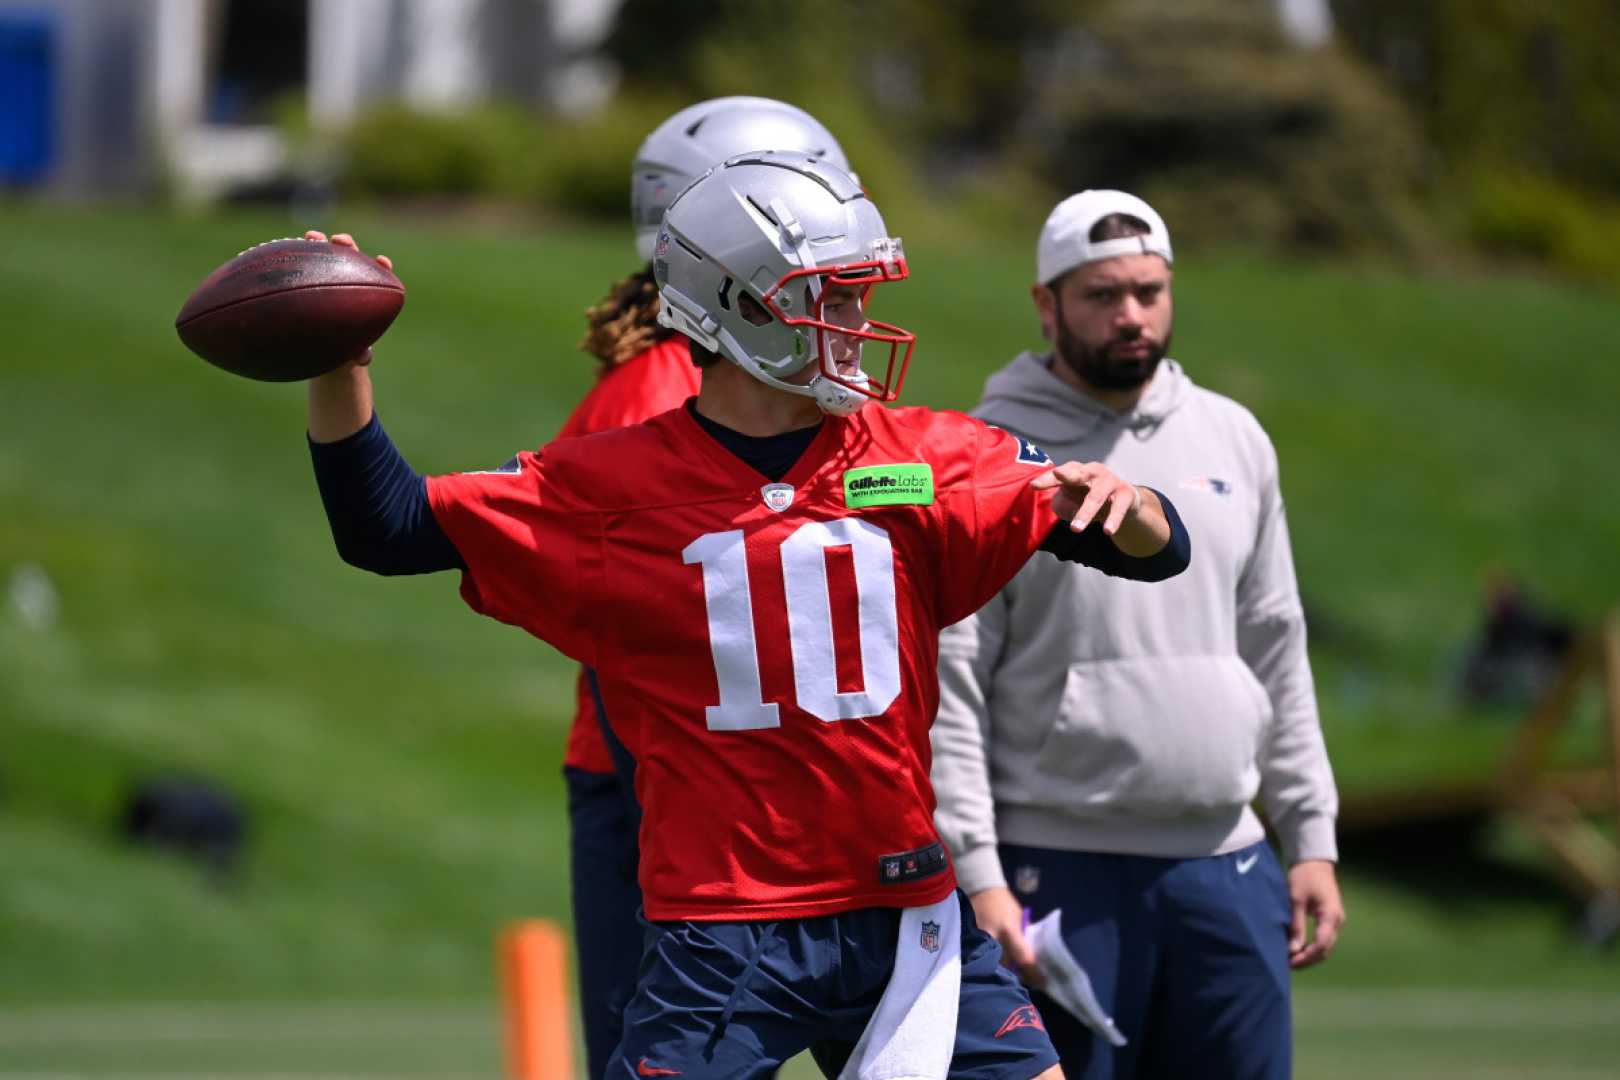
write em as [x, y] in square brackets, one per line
[836, 400]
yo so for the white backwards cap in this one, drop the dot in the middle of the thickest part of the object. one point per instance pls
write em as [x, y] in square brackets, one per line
[1065, 238]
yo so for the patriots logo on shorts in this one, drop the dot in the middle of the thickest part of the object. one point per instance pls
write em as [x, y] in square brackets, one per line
[1024, 1016]
[930, 936]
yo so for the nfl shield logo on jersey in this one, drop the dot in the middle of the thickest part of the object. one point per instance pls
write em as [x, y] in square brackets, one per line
[1027, 879]
[930, 936]
[778, 497]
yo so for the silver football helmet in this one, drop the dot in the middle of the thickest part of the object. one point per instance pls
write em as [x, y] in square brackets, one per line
[769, 260]
[700, 136]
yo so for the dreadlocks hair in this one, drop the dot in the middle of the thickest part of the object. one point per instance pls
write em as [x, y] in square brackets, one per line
[625, 321]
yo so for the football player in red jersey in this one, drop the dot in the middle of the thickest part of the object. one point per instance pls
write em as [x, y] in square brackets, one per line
[761, 575]
[645, 369]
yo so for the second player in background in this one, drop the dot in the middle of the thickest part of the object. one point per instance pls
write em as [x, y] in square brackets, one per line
[646, 369]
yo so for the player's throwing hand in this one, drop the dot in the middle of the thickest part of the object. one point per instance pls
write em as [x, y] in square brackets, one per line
[343, 239]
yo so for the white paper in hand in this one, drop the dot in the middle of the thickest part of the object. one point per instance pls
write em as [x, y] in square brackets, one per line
[1066, 981]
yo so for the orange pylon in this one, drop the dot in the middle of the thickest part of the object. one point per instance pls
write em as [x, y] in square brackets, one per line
[534, 979]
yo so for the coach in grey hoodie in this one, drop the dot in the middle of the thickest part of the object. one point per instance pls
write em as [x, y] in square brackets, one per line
[1099, 743]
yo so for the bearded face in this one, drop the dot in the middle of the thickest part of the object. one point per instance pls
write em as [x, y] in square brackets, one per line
[1124, 362]
[1110, 321]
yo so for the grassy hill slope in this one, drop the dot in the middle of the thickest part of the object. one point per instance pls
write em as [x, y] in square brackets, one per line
[399, 755]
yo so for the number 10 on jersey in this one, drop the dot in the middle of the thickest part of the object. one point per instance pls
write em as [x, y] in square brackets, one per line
[803, 559]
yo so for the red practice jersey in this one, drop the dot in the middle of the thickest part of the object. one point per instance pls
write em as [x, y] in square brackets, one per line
[773, 645]
[655, 380]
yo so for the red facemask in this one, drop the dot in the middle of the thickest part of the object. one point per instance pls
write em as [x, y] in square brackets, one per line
[887, 265]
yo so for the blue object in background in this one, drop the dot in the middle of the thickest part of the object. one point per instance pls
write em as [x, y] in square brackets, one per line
[27, 96]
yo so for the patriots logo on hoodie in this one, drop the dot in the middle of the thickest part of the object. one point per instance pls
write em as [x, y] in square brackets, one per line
[1213, 485]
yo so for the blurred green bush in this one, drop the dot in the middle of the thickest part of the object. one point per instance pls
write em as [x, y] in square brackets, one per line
[574, 166]
[395, 151]
[1522, 215]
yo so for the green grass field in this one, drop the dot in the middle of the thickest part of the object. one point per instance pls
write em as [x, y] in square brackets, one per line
[1422, 1035]
[400, 756]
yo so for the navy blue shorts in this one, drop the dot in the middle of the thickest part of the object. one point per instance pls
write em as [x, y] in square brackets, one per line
[737, 999]
[1189, 956]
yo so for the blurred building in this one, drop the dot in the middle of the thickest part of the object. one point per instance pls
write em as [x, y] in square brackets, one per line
[105, 97]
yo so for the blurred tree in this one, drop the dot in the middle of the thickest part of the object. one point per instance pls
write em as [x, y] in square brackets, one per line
[958, 74]
[1201, 104]
[1205, 108]
[816, 57]
[654, 49]
[1521, 103]
[1504, 83]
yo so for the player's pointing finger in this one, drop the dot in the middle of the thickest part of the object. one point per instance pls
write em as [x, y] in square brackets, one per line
[1047, 479]
[1088, 509]
[1069, 474]
[1120, 503]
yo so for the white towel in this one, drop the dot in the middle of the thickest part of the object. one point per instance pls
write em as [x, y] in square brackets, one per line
[1066, 981]
[912, 1033]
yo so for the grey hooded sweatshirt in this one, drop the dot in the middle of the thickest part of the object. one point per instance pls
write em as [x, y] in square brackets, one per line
[1089, 713]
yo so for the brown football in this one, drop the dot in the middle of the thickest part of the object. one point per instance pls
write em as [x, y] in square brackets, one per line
[290, 310]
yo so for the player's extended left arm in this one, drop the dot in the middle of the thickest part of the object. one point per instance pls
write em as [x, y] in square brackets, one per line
[1124, 530]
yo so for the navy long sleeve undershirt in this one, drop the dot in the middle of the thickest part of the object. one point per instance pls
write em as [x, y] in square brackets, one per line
[377, 506]
[1094, 548]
